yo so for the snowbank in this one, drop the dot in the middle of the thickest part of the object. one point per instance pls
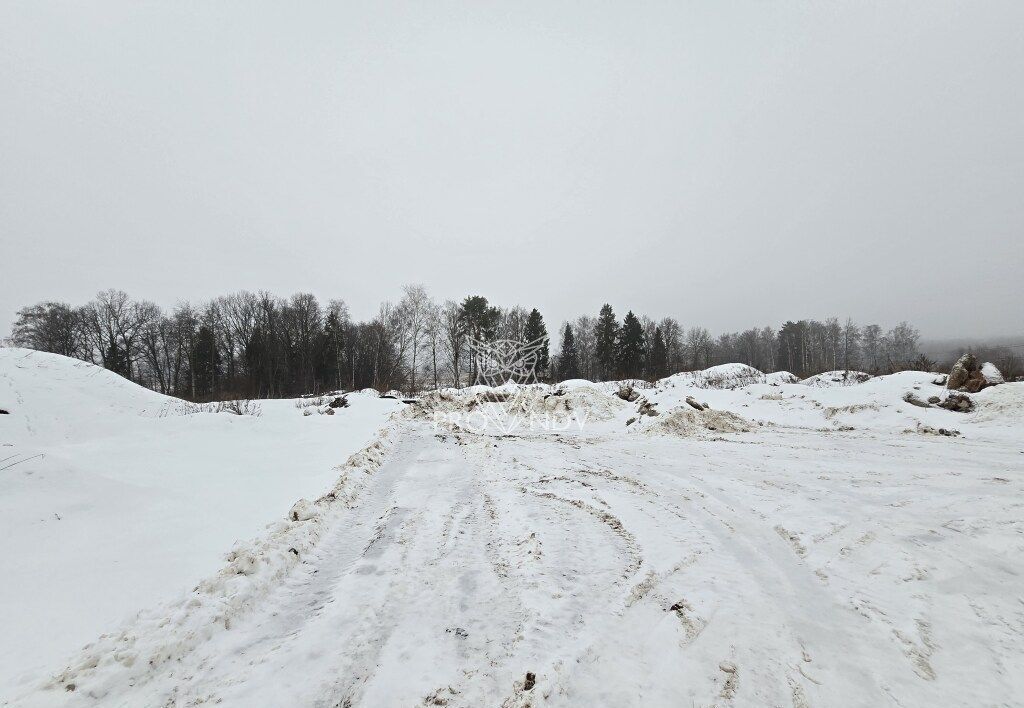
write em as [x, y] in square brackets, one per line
[876, 404]
[52, 398]
[840, 400]
[831, 379]
[721, 376]
[517, 407]
[114, 497]
[777, 378]
[166, 632]
[578, 383]
[1003, 404]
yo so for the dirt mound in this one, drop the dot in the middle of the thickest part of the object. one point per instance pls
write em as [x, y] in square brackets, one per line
[687, 423]
[957, 402]
[521, 405]
[597, 404]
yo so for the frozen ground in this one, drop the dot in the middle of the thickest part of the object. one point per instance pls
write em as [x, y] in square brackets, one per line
[834, 551]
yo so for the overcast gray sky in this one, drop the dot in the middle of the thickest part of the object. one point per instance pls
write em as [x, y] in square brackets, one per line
[731, 164]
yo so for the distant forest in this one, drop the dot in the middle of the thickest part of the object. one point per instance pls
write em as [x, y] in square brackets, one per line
[258, 345]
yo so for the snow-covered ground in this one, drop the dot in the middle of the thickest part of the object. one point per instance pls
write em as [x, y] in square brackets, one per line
[823, 544]
[112, 499]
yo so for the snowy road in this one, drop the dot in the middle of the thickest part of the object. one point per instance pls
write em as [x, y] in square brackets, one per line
[778, 568]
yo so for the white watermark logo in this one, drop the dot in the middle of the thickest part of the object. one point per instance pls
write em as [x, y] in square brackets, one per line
[506, 361]
[515, 401]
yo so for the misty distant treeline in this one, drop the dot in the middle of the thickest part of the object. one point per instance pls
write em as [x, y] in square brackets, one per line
[257, 345]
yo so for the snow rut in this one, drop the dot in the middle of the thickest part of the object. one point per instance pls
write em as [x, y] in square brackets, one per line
[562, 570]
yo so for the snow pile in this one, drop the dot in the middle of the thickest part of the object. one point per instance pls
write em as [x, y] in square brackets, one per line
[167, 632]
[588, 401]
[688, 422]
[435, 404]
[777, 378]
[1000, 404]
[722, 376]
[518, 406]
[51, 398]
[832, 379]
[117, 497]
[578, 383]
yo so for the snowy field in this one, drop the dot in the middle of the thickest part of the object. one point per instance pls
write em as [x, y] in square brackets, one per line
[796, 544]
[112, 498]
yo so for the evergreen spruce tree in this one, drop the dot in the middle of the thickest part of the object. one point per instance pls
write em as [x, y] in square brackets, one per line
[533, 331]
[333, 349]
[117, 361]
[206, 361]
[630, 347]
[659, 356]
[605, 334]
[569, 358]
[255, 362]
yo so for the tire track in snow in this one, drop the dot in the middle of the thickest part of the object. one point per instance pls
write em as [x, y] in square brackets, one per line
[772, 558]
[614, 571]
[633, 557]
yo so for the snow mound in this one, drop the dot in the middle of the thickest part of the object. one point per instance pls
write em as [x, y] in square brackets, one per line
[518, 406]
[688, 422]
[594, 403]
[1000, 404]
[118, 498]
[781, 377]
[579, 383]
[833, 379]
[723, 376]
[53, 398]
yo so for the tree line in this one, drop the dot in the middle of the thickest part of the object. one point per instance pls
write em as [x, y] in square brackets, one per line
[258, 345]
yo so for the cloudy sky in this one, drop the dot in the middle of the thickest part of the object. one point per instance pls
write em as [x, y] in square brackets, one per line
[730, 164]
